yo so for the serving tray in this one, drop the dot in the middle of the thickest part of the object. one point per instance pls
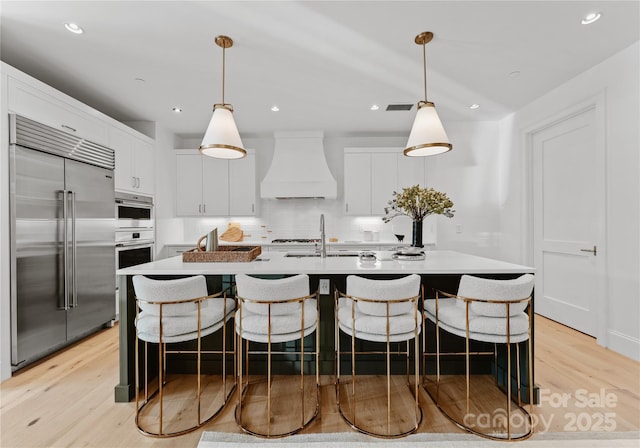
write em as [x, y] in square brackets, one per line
[228, 254]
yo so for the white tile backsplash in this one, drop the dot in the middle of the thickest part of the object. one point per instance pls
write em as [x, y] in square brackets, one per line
[300, 218]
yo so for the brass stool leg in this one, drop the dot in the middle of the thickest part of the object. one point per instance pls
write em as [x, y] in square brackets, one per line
[146, 371]
[518, 373]
[353, 360]
[467, 351]
[269, 372]
[160, 370]
[388, 377]
[509, 374]
[302, 364]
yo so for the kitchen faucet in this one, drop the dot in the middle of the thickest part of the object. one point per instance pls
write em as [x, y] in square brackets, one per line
[323, 247]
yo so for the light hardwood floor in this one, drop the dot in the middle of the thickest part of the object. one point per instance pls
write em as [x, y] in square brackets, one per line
[68, 399]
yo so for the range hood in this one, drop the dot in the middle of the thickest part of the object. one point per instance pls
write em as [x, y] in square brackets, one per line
[299, 168]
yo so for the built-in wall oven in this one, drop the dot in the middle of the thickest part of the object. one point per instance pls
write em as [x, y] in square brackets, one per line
[135, 233]
[134, 247]
[134, 211]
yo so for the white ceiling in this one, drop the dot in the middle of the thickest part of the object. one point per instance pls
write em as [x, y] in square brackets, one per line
[322, 62]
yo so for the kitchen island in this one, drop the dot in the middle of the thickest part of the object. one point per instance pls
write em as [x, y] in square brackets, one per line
[439, 269]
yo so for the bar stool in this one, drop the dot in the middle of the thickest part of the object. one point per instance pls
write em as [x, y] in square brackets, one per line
[172, 311]
[497, 312]
[379, 311]
[272, 311]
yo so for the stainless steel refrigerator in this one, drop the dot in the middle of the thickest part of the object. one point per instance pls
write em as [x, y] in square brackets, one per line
[62, 238]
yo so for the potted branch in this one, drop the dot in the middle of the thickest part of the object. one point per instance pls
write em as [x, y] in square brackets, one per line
[418, 203]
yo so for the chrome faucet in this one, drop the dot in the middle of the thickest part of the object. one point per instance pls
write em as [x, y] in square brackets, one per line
[323, 239]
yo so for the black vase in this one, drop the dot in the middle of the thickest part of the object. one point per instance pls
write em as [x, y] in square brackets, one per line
[416, 240]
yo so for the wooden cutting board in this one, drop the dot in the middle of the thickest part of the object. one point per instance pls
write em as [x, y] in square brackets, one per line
[232, 234]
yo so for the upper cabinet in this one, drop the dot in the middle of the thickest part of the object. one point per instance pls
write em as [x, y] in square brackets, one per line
[357, 184]
[371, 175]
[134, 171]
[53, 108]
[242, 186]
[206, 186]
[134, 161]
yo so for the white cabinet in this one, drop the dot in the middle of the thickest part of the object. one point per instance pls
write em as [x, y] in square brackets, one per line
[144, 165]
[371, 175]
[206, 186]
[189, 185]
[53, 108]
[370, 179]
[384, 180]
[134, 161]
[202, 184]
[242, 186]
[215, 186]
[134, 171]
[174, 250]
[357, 184]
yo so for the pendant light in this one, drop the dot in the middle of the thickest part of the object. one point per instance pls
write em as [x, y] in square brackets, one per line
[427, 137]
[222, 139]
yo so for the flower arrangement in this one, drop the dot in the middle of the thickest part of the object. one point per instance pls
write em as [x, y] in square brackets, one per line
[418, 203]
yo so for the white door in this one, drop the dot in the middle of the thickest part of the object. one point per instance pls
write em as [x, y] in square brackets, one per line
[568, 215]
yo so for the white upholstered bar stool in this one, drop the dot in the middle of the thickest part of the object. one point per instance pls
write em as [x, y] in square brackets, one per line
[384, 311]
[273, 311]
[176, 311]
[497, 312]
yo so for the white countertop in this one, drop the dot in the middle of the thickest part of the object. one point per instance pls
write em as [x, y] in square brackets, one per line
[268, 243]
[435, 262]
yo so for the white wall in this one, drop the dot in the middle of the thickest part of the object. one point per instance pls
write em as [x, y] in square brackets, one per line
[469, 175]
[5, 253]
[618, 78]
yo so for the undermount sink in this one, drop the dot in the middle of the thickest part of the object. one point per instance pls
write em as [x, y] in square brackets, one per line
[306, 254]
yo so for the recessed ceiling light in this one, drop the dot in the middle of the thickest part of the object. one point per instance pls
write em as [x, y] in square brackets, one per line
[177, 109]
[590, 18]
[474, 106]
[375, 107]
[514, 74]
[275, 109]
[74, 28]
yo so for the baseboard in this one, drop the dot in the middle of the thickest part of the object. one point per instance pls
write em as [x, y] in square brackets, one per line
[624, 344]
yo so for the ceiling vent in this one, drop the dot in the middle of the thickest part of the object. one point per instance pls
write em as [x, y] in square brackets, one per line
[399, 107]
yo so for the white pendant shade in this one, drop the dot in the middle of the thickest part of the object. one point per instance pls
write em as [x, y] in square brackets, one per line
[428, 136]
[222, 139]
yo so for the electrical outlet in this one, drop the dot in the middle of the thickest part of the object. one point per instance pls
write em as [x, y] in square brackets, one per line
[324, 286]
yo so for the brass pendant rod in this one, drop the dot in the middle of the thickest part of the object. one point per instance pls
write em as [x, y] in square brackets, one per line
[223, 42]
[424, 69]
[223, 62]
[423, 39]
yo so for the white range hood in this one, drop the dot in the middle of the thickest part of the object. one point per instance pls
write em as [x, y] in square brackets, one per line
[299, 168]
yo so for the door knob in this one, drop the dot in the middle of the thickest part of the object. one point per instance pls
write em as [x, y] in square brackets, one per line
[594, 250]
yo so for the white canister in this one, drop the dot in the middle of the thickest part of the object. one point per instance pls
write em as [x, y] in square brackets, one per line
[367, 235]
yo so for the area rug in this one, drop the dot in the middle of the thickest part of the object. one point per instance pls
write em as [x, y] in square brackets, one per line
[431, 440]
